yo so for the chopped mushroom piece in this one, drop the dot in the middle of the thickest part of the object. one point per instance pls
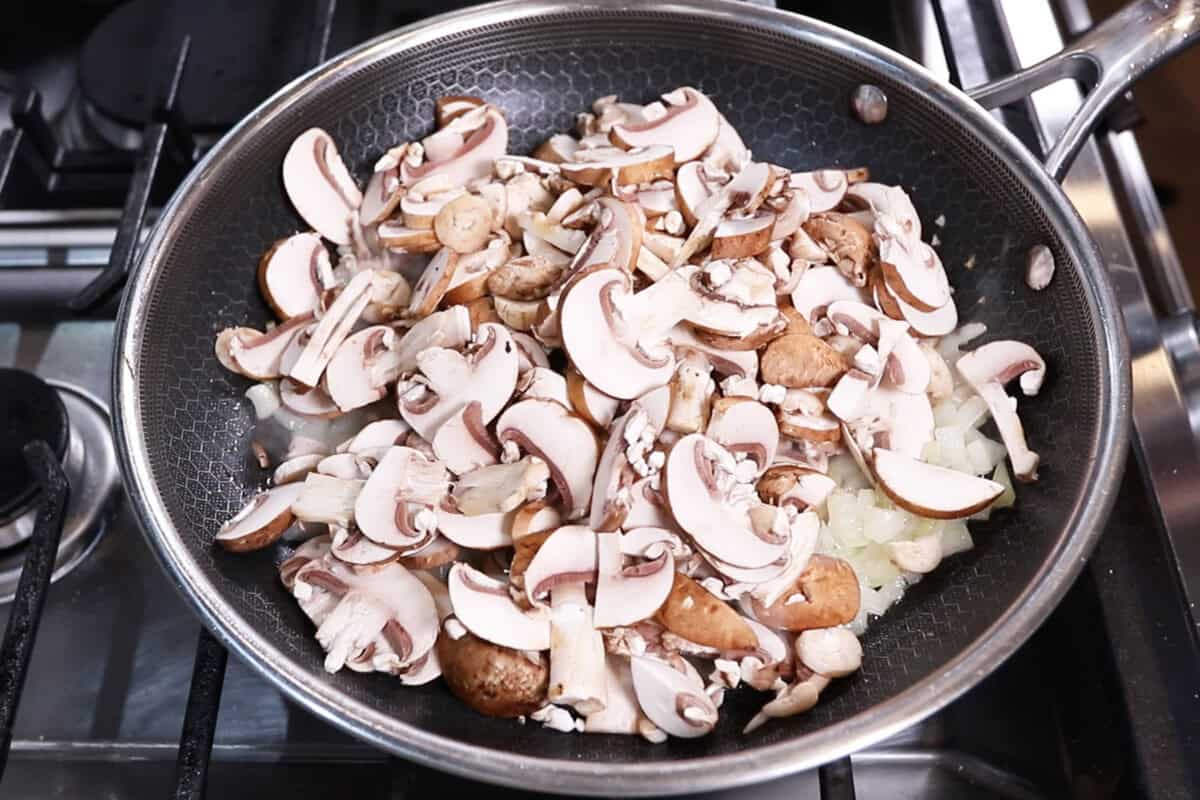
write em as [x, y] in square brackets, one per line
[673, 700]
[494, 680]
[294, 274]
[567, 445]
[319, 185]
[262, 521]
[988, 368]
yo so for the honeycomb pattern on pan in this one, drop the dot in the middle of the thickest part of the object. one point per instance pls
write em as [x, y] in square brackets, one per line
[789, 99]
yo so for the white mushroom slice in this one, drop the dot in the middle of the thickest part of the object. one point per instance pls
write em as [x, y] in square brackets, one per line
[698, 485]
[744, 425]
[381, 196]
[546, 384]
[889, 201]
[743, 237]
[326, 499]
[671, 699]
[441, 145]
[487, 374]
[432, 285]
[658, 199]
[375, 437]
[530, 353]
[294, 469]
[600, 166]
[545, 429]
[825, 188]
[307, 401]
[851, 318]
[925, 323]
[846, 400]
[691, 394]
[294, 274]
[907, 366]
[621, 713]
[537, 247]
[333, 329]
[319, 185]
[567, 556]
[689, 127]
[617, 239]
[352, 547]
[692, 188]
[259, 355]
[520, 315]
[480, 532]
[625, 595]
[809, 427]
[738, 363]
[534, 517]
[558, 148]
[473, 160]
[650, 542]
[728, 153]
[347, 466]
[363, 368]
[835, 652]
[577, 674]
[420, 214]
[651, 265]
[402, 239]
[589, 402]
[450, 329]
[484, 607]
[567, 202]
[908, 419]
[463, 442]
[821, 286]
[464, 224]
[931, 491]
[402, 486]
[805, 528]
[647, 507]
[744, 193]
[987, 369]
[262, 521]
[565, 239]
[451, 107]
[314, 549]
[791, 210]
[501, 487]
[913, 271]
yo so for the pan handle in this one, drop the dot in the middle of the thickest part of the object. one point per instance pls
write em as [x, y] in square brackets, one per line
[1109, 58]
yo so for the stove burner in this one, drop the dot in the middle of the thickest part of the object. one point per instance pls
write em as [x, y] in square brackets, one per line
[29, 410]
[89, 461]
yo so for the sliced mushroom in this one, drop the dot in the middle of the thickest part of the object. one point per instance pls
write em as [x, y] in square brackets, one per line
[931, 491]
[294, 275]
[501, 487]
[835, 652]
[381, 197]
[431, 287]
[464, 224]
[473, 270]
[567, 445]
[463, 443]
[262, 521]
[488, 374]
[804, 530]
[988, 368]
[689, 127]
[616, 239]
[450, 107]
[524, 278]
[295, 469]
[698, 485]
[913, 271]
[419, 211]
[347, 466]
[824, 188]
[450, 328]
[745, 193]
[403, 239]
[438, 553]
[691, 394]
[600, 166]
[917, 555]
[887, 201]
[671, 699]
[351, 547]
[821, 286]
[743, 237]
[312, 550]
[493, 680]
[520, 315]
[577, 674]
[259, 355]
[625, 595]
[694, 613]
[847, 241]
[824, 595]
[557, 149]
[593, 405]
[393, 507]
[534, 517]
[657, 199]
[744, 425]
[472, 160]
[488, 531]
[546, 384]
[363, 368]
[797, 698]
[484, 607]
[725, 362]
[319, 185]
[692, 188]
[621, 713]
[333, 329]
[307, 401]
[801, 361]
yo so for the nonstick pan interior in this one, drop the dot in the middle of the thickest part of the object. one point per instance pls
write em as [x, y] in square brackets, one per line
[785, 85]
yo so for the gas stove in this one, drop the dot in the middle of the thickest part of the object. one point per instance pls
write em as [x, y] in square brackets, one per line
[124, 695]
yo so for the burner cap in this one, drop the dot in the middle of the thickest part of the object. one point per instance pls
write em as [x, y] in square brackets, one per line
[29, 410]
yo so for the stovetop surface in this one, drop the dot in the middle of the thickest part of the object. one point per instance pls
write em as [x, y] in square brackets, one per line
[106, 693]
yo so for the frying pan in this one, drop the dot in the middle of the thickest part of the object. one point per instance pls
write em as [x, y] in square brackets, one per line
[784, 81]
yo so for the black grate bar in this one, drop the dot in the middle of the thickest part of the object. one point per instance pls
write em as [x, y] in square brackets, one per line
[323, 25]
[133, 215]
[10, 143]
[837, 780]
[26, 613]
[200, 720]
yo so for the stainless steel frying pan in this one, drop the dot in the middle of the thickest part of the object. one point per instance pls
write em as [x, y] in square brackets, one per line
[784, 81]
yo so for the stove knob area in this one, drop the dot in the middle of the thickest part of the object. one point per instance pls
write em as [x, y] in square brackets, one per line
[30, 409]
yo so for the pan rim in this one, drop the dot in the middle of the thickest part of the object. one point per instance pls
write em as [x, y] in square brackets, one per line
[662, 776]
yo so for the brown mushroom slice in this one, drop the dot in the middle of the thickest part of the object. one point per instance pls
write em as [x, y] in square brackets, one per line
[451, 106]
[473, 270]
[493, 680]
[846, 400]
[689, 127]
[351, 547]
[805, 528]
[737, 363]
[616, 239]
[988, 368]
[913, 271]
[545, 429]
[319, 185]
[744, 193]
[825, 188]
[381, 197]
[524, 278]
[545, 384]
[628, 594]
[463, 443]
[403, 239]
[577, 674]
[295, 469]
[907, 367]
[557, 149]
[431, 287]
[671, 700]
[889, 201]
[657, 199]
[800, 361]
[926, 323]
[484, 607]
[333, 328]
[743, 237]
[307, 401]
[464, 224]
[487, 374]
[294, 274]
[473, 160]
[826, 593]
[821, 286]
[259, 355]
[480, 532]
[262, 521]
[847, 241]
[419, 214]
[389, 508]
[520, 315]
[931, 491]
[744, 425]
[593, 405]
[363, 368]
[700, 501]
[600, 166]
[601, 335]
[539, 225]
[438, 553]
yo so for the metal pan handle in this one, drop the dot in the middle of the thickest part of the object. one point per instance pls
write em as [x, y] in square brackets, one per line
[1109, 58]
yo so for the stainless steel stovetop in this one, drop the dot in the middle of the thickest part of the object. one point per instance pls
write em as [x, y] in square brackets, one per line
[1105, 700]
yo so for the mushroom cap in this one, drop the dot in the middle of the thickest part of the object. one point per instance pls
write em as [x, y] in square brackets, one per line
[914, 273]
[689, 127]
[545, 384]
[494, 680]
[262, 521]
[931, 491]
[484, 607]
[589, 402]
[1003, 361]
[294, 274]
[307, 401]
[598, 166]
[381, 197]
[375, 437]
[671, 700]
[566, 556]
[319, 185]
[743, 237]
[831, 595]
[744, 425]
[259, 355]
[545, 429]
[403, 482]
[625, 595]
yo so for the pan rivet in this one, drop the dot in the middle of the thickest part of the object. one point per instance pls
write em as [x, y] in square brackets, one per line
[870, 104]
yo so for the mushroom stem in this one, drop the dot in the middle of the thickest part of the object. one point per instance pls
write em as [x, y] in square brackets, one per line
[333, 329]
[577, 668]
